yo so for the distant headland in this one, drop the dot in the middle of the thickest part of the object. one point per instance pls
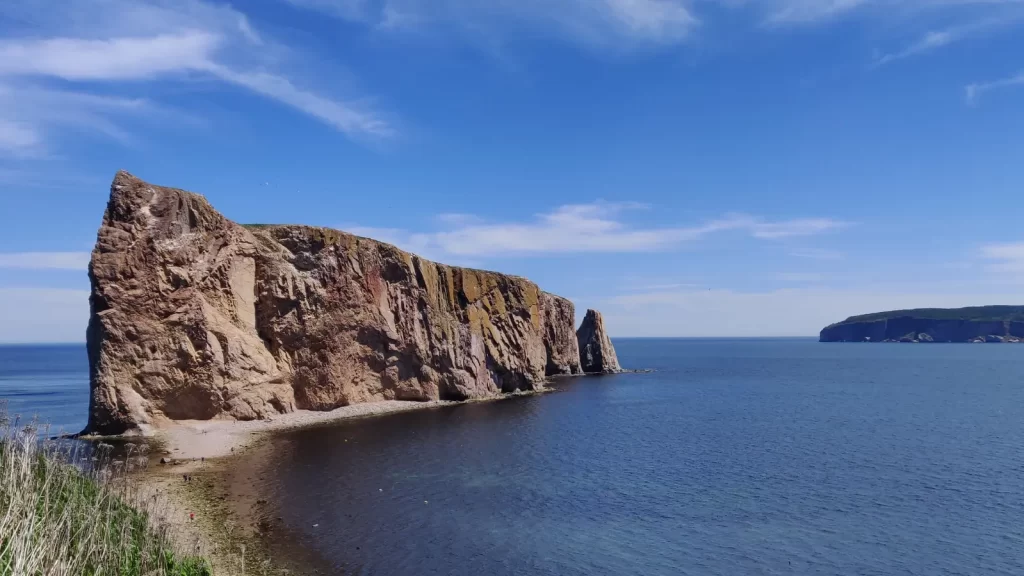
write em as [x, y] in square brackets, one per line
[992, 324]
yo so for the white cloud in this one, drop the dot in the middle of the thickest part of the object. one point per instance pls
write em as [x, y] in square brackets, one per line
[1006, 257]
[791, 312]
[652, 19]
[927, 43]
[416, 243]
[19, 138]
[580, 228]
[117, 41]
[345, 117]
[45, 260]
[40, 315]
[125, 58]
[37, 111]
[790, 228]
[974, 91]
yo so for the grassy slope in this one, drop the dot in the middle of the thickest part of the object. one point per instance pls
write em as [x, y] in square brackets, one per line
[56, 520]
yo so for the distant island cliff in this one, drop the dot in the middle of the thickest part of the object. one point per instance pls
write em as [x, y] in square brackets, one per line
[195, 317]
[973, 324]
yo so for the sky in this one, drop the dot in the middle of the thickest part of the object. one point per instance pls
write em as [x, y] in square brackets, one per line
[688, 167]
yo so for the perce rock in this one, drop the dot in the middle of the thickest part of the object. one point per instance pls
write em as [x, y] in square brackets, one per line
[597, 356]
[195, 317]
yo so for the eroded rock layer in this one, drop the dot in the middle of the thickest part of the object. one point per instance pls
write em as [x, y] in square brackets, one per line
[597, 355]
[197, 317]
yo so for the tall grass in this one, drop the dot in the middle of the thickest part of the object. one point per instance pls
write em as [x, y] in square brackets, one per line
[65, 515]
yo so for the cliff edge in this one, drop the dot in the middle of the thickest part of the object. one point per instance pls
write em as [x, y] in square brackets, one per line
[973, 324]
[195, 317]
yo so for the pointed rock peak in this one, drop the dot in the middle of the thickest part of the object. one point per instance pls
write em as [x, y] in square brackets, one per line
[597, 355]
[124, 177]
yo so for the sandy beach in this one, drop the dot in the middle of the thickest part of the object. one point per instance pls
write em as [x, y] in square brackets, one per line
[194, 439]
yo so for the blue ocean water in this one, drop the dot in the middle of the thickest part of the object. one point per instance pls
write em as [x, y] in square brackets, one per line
[48, 383]
[735, 457]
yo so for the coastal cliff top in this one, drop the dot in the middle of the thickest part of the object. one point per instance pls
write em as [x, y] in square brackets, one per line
[196, 211]
[975, 313]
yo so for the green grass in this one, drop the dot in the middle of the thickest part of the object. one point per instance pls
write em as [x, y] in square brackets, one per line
[975, 313]
[57, 520]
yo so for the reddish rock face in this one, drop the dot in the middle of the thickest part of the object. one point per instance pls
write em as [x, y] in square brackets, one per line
[197, 317]
[597, 355]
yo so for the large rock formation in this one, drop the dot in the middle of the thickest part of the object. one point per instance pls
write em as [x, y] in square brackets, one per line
[197, 317]
[974, 324]
[597, 356]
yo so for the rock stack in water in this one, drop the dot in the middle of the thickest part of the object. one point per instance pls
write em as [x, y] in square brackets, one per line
[597, 356]
[197, 317]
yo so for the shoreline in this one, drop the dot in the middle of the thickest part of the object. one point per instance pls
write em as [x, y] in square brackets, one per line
[198, 439]
[232, 524]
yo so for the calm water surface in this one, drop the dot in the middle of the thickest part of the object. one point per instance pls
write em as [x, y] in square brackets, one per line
[735, 457]
[49, 383]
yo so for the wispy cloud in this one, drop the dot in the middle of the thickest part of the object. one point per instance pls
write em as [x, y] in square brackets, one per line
[582, 228]
[930, 41]
[37, 315]
[29, 113]
[125, 58]
[119, 41]
[800, 277]
[974, 91]
[817, 254]
[659, 20]
[45, 260]
[788, 312]
[790, 12]
[787, 228]
[343, 116]
[598, 22]
[660, 287]
[1004, 257]
[625, 24]
[935, 39]
[19, 138]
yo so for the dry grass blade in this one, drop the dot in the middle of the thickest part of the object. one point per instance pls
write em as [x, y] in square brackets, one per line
[60, 516]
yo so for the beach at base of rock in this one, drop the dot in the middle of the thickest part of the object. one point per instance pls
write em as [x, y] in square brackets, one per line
[190, 439]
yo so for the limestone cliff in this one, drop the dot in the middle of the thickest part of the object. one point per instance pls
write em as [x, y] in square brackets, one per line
[973, 324]
[597, 355]
[197, 317]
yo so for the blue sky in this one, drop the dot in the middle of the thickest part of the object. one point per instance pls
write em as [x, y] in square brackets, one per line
[691, 168]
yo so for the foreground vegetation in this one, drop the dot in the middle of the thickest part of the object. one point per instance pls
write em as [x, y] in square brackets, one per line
[62, 514]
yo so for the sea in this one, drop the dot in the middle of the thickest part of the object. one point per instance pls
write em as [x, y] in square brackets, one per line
[732, 457]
